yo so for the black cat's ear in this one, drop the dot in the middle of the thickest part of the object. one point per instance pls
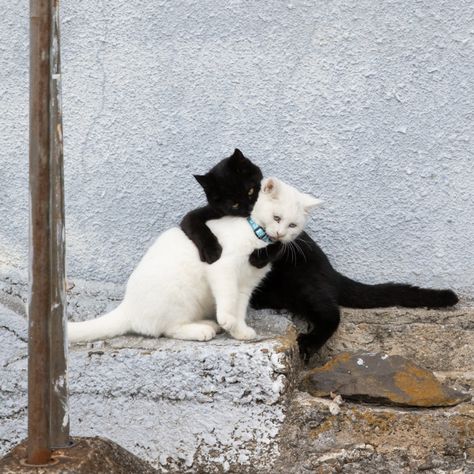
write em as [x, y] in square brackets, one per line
[203, 180]
[238, 155]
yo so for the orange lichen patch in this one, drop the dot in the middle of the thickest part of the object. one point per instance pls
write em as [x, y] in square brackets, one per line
[383, 421]
[343, 357]
[420, 388]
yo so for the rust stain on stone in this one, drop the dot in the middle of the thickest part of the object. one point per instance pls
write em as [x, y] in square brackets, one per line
[287, 341]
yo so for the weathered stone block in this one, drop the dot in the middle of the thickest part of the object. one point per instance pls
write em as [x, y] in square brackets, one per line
[363, 439]
[380, 378]
[180, 405]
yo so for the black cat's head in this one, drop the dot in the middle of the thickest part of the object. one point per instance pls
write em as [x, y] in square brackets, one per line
[232, 186]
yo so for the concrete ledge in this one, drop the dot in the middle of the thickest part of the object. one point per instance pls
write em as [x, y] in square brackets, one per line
[217, 405]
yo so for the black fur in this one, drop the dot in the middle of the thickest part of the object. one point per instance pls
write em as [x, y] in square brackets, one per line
[302, 279]
[228, 187]
[304, 282]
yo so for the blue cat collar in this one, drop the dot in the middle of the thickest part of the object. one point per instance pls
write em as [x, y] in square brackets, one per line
[259, 231]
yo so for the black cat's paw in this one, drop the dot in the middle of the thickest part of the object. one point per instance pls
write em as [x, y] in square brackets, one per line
[258, 259]
[306, 347]
[211, 252]
[274, 250]
[261, 257]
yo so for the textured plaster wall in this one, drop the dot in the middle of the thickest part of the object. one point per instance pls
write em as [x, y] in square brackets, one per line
[367, 104]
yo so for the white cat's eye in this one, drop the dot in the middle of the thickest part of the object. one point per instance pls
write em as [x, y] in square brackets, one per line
[251, 190]
[292, 226]
[235, 206]
[276, 218]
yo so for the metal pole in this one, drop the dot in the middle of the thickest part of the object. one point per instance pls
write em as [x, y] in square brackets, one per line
[59, 417]
[38, 451]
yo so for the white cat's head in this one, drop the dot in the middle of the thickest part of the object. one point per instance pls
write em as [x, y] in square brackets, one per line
[282, 210]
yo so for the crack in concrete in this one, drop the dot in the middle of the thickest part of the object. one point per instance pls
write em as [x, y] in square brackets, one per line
[16, 359]
[23, 339]
[14, 414]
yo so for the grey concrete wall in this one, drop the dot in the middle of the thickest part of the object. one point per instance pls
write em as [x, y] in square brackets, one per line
[367, 104]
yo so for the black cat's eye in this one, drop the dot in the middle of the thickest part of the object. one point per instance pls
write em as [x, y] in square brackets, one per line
[276, 218]
[251, 190]
[292, 226]
[235, 206]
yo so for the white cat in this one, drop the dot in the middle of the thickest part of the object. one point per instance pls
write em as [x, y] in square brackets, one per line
[172, 293]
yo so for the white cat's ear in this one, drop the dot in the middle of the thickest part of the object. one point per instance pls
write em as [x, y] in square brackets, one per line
[270, 186]
[309, 202]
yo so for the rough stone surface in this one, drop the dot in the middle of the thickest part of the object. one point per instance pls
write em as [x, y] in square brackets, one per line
[380, 378]
[86, 456]
[365, 439]
[180, 405]
[440, 340]
[367, 104]
[135, 391]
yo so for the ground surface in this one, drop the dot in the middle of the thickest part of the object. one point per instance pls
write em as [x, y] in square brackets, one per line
[231, 406]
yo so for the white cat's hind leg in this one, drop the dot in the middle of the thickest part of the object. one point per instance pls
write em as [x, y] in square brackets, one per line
[198, 331]
[212, 324]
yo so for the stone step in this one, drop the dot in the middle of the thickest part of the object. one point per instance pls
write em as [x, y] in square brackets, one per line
[439, 340]
[361, 438]
[227, 405]
[183, 406]
[365, 439]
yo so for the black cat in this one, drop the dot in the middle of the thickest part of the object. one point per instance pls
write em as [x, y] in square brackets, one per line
[302, 280]
[231, 188]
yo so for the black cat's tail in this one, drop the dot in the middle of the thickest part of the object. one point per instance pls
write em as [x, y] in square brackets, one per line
[353, 294]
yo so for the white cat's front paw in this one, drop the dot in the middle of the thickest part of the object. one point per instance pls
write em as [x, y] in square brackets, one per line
[243, 333]
[227, 322]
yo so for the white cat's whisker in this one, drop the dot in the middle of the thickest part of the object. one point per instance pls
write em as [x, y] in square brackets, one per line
[307, 242]
[298, 247]
[292, 252]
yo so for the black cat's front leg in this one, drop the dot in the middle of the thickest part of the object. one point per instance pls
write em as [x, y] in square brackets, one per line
[262, 257]
[320, 309]
[210, 250]
[194, 226]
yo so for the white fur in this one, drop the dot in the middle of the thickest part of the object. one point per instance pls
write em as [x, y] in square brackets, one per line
[172, 293]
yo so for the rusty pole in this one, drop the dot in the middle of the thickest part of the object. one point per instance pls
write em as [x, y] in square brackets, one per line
[40, 269]
[59, 417]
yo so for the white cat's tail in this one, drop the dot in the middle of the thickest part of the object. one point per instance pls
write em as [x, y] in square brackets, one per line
[109, 325]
